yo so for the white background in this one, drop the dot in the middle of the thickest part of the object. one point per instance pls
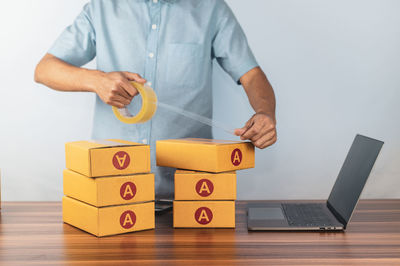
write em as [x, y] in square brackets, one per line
[334, 66]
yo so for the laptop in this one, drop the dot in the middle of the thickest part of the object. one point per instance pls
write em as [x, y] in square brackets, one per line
[336, 212]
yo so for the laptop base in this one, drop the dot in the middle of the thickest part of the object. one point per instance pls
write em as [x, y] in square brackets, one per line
[272, 217]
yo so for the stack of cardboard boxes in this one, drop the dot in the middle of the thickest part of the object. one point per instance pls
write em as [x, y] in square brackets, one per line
[205, 196]
[108, 187]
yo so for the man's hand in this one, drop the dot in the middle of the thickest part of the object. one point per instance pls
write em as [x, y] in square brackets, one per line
[115, 89]
[260, 129]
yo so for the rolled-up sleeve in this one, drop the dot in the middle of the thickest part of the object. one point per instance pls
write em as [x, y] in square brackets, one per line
[230, 46]
[77, 43]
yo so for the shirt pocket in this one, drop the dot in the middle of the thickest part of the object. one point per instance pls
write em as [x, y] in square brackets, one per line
[185, 65]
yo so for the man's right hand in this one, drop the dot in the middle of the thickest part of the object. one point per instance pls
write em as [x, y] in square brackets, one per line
[115, 88]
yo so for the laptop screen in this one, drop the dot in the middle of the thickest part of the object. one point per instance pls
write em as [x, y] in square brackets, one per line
[353, 176]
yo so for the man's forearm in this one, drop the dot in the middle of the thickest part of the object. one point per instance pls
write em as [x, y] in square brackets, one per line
[113, 88]
[261, 127]
[259, 91]
[62, 76]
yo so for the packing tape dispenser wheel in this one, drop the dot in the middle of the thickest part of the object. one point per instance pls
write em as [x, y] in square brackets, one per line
[149, 106]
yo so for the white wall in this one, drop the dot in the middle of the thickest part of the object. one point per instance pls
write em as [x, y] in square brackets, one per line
[334, 66]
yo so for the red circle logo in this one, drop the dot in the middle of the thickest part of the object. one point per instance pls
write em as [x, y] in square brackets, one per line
[121, 160]
[204, 187]
[203, 215]
[236, 157]
[127, 219]
[128, 191]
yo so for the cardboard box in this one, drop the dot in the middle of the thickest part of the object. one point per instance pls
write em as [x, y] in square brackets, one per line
[204, 214]
[192, 185]
[108, 220]
[107, 191]
[205, 154]
[107, 157]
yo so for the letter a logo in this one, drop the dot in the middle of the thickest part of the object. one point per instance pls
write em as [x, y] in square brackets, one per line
[127, 219]
[236, 157]
[121, 160]
[203, 215]
[128, 191]
[204, 187]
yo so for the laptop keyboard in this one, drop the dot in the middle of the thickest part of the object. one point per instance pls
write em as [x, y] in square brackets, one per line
[306, 215]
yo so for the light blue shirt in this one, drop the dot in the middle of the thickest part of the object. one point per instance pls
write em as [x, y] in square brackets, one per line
[172, 44]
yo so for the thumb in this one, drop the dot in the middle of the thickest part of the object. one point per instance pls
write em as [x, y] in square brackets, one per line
[134, 77]
[241, 131]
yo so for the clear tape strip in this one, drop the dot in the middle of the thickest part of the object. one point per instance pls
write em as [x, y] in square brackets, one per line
[149, 107]
[201, 119]
[198, 118]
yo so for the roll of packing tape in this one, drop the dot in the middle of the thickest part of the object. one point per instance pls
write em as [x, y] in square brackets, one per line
[149, 106]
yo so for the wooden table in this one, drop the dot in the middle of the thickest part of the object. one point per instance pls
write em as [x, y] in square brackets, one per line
[33, 232]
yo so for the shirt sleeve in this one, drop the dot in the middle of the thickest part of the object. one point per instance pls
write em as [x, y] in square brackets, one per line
[77, 43]
[230, 46]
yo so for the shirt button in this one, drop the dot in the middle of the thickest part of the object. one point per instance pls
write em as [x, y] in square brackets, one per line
[154, 26]
[151, 55]
[155, 1]
[144, 141]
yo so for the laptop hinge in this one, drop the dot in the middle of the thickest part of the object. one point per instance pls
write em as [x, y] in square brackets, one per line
[337, 215]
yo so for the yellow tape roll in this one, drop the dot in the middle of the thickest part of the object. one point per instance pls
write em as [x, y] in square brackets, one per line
[149, 106]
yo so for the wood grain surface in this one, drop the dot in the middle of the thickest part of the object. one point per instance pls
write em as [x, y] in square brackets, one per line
[33, 233]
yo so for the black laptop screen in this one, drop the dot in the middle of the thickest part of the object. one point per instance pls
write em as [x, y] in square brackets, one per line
[353, 176]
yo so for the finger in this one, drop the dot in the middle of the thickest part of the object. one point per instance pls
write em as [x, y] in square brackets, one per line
[268, 143]
[122, 92]
[248, 124]
[250, 132]
[241, 131]
[263, 139]
[134, 77]
[265, 129]
[116, 104]
[120, 99]
[129, 88]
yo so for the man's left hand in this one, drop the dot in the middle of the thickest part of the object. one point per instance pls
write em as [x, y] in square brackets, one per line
[260, 129]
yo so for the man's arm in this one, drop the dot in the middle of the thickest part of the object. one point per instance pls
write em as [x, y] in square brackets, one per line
[260, 129]
[113, 88]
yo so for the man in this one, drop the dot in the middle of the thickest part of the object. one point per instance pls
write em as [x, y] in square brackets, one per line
[170, 45]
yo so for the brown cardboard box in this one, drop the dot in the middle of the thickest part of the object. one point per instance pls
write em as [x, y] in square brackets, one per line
[107, 157]
[202, 214]
[108, 191]
[193, 185]
[205, 154]
[108, 220]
